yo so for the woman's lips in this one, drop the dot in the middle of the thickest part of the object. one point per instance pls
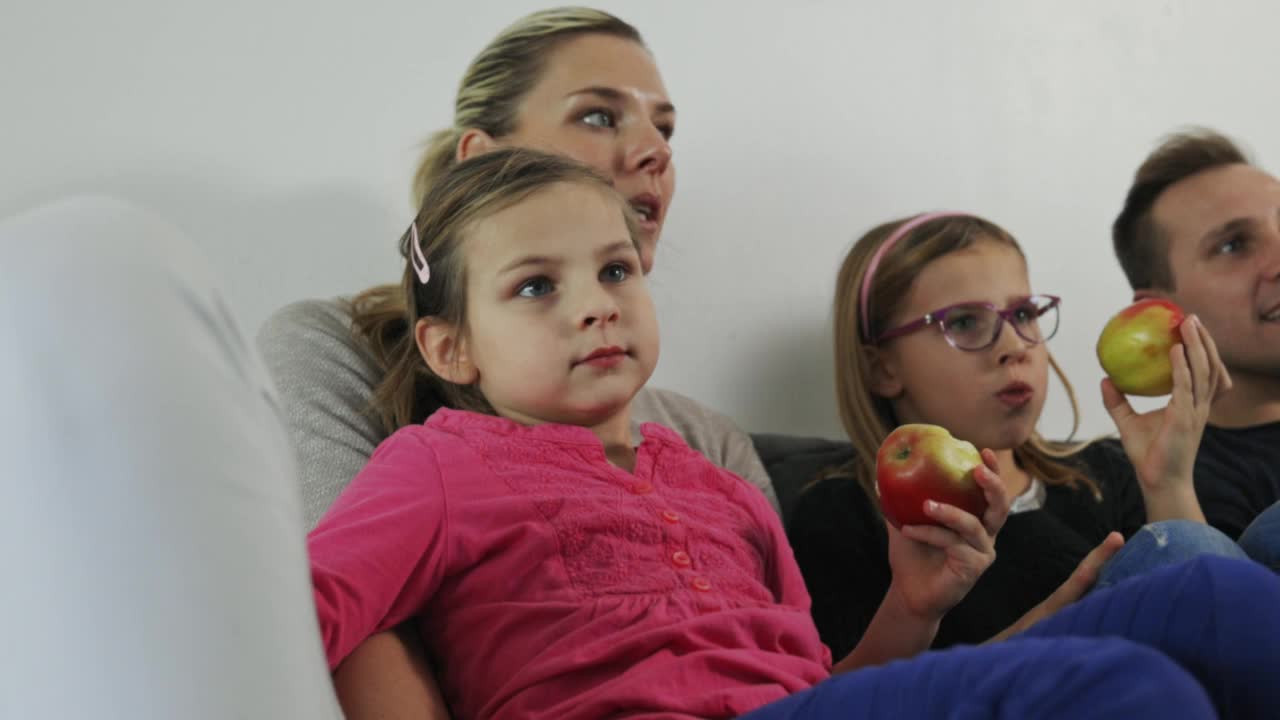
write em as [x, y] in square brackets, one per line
[648, 209]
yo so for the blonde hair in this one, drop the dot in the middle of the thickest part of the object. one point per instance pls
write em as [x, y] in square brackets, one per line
[488, 99]
[868, 418]
[467, 193]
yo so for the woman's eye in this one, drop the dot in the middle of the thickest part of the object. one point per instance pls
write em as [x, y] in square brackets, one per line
[536, 287]
[615, 272]
[599, 118]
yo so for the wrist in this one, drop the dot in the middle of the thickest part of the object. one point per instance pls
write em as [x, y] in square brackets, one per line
[894, 632]
[1178, 502]
[897, 608]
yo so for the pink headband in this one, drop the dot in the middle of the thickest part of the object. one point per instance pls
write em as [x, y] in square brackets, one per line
[897, 235]
[417, 258]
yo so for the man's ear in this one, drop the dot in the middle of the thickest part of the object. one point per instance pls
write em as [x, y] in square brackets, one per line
[444, 349]
[883, 372]
[473, 142]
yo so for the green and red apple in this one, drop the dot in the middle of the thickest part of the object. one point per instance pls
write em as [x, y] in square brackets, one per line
[919, 462]
[1134, 347]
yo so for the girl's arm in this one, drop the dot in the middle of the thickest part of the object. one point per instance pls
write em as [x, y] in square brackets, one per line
[388, 676]
[1162, 444]
[377, 556]
[934, 567]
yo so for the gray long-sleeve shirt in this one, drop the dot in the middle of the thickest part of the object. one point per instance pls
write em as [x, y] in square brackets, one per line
[326, 380]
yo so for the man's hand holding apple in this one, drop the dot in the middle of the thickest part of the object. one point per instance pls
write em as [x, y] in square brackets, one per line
[1150, 353]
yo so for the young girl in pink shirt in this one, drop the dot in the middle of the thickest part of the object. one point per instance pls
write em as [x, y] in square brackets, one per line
[565, 564]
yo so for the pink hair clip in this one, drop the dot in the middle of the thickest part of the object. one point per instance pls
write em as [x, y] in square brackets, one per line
[417, 259]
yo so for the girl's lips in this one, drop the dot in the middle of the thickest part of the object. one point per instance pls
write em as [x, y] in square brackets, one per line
[1015, 395]
[605, 357]
[605, 361]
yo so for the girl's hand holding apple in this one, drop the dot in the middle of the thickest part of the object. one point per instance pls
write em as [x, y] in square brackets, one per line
[944, 503]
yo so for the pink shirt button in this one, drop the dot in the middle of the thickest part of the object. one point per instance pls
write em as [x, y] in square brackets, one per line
[670, 516]
[701, 584]
[681, 558]
[642, 488]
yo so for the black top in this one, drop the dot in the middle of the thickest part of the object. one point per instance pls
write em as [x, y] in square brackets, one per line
[842, 547]
[1238, 475]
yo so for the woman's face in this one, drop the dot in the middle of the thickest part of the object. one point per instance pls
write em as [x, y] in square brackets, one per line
[991, 397]
[601, 101]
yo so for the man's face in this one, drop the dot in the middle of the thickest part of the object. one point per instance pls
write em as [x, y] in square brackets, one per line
[1223, 232]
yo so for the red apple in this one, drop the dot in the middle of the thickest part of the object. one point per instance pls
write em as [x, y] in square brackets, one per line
[921, 462]
[1134, 347]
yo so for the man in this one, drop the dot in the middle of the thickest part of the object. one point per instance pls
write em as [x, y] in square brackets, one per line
[1201, 227]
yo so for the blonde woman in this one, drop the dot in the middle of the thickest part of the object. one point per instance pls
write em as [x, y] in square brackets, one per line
[574, 81]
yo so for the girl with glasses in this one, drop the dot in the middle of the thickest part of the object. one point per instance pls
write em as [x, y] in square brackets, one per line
[936, 322]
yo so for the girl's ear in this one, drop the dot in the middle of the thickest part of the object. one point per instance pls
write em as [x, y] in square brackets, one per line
[445, 351]
[473, 142]
[885, 381]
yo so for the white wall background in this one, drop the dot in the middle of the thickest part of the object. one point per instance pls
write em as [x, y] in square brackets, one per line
[281, 134]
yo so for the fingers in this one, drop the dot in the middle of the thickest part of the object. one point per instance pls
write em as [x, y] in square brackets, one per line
[963, 527]
[990, 460]
[950, 543]
[1117, 404]
[994, 490]
[932, 535]
[1203, 376]
[1184, 386]
[1221, 375]
[1086, 573]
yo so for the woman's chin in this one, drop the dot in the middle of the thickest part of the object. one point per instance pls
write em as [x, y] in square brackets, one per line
[648, 248]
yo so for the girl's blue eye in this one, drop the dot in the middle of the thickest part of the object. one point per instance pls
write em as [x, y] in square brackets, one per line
[1026, 313]
[535, 287]
[961, 322]
[615, 273]
[599, 118]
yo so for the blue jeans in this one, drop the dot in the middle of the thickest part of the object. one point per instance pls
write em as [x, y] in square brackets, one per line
[1184, 641]
[1261, 540]
[1165, 543]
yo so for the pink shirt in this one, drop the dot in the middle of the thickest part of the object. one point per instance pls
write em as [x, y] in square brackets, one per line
[552, 584]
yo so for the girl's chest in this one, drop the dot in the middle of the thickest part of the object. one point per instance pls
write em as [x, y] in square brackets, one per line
[561, 525]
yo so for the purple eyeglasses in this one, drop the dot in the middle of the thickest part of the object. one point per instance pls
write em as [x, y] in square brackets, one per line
[977, 326]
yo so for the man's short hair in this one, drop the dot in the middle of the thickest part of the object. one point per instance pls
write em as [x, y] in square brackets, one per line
[1140, 246]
